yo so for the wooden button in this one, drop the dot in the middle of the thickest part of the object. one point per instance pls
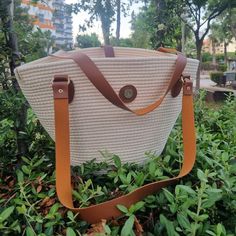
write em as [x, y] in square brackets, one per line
[128, 93]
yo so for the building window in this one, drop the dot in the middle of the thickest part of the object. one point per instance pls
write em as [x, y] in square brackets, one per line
[41, 18]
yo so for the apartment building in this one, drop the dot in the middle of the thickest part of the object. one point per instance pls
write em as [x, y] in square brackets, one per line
[62, 20]
[219, 48]
[54, 16]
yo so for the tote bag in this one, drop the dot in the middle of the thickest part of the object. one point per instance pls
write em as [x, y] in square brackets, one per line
[124, 100]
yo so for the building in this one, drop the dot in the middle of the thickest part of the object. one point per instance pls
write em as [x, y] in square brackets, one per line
[62, 20]
[52, 15]
[219, 48]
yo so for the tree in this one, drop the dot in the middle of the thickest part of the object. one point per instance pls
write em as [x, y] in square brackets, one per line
[168, 24]
[98, 9]
[18, 42]
[142, 30]
[222, 31]
[86, 40]
[200, 15]
[106, 11]
[157, 25]
[12, 56]
[118, 11]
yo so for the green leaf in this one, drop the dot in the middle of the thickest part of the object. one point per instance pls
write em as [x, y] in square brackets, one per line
[210, 233]
[6, 213]
[219, 229]
[122, 208]
[193, 215]
[20, 176]
[139, 205]
[169, 195]
[21, 209]
[117, 161]
[186, 189]
[54, 208]
[202, 217]
[39, 162]
[136, 207]
[168, 225]
[70, 232]
[183, 221]
[70, 215]
[29, 231]
[128, 226]
[152, 169]
[25, 169]
[201, 176]
[25, 160]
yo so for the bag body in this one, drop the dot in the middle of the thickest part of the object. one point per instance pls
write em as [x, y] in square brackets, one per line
[96, 124]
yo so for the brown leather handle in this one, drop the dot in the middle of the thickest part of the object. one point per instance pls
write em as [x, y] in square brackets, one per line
[108, 51]
[98, 80]
[108, 209]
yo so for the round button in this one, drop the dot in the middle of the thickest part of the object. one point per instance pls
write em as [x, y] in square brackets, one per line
[128, 93]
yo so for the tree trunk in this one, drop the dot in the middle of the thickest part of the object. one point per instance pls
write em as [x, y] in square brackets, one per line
[11, 40]
[213, 52]
[106, 37]
[225, 53]
[118, 22]
[160, 12]
[183, 29]
[105, 32]
[199, 57]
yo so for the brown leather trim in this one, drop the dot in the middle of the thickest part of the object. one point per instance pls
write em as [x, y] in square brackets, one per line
[188, 88]
[108, 209]
[109, 51]
[98, 80]
[60, 87]
[175, 91]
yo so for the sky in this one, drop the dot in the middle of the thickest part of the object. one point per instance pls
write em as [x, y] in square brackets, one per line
[125, 22]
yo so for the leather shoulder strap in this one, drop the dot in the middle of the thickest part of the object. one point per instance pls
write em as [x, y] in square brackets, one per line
[98, 80]
[108, 209]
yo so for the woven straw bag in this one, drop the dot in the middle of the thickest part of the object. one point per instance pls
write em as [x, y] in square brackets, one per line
[77, 97]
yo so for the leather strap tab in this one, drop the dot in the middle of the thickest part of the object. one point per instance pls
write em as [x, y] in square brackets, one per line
[109, 51]
[60, 90]
[63, 87]
[188, 88]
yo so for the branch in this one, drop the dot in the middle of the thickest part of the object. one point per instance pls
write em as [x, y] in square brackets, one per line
[191, 10]
[214, 14]
[211, 18]
[186, 22]
[206, 32]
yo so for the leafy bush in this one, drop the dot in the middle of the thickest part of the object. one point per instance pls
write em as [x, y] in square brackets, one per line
[216, 77]
[203, 203]
[222, 67]
[206, 57]
[208, 66]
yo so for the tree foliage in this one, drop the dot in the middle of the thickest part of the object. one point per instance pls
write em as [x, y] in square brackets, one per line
[198, 16]
[86, 40]
[104, 11]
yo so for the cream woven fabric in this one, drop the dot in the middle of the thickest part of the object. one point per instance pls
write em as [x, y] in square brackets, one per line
[97, 125]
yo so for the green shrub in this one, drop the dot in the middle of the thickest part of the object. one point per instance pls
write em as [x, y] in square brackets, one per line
[208, 66]
[216, 77]
[222, 67]
[206, 57]
[203, 203]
